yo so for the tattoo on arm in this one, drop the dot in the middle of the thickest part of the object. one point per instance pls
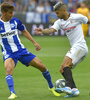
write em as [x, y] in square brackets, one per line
[47, 31]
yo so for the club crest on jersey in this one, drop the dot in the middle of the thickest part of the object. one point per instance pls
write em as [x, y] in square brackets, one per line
[6, 56]
[62, 24]
[13, 25]
[71, 21]
[1, 28]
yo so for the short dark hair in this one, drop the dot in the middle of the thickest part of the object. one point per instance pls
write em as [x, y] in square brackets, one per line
[58, 6]
[5, 6]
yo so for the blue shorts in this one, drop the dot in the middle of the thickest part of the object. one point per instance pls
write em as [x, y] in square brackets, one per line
[24, 56]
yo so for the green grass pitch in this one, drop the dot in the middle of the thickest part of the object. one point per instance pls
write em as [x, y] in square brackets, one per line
[29, 82]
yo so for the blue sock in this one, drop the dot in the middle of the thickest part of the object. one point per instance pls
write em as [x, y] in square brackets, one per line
[48, 78]
[10, 83]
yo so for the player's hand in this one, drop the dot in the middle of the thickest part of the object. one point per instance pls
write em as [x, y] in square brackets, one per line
[38, 31]
[37, 46]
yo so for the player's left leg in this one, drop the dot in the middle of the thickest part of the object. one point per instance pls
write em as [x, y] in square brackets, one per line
[38, 64]
[30, 59]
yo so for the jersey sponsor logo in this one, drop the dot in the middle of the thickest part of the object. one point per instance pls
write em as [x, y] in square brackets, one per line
[7, 34]
[69, 28]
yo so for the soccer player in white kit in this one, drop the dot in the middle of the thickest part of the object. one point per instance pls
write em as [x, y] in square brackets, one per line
[13, 50]
[71, 24]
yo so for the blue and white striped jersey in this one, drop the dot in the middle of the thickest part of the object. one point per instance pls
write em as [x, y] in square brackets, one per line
[9, 39]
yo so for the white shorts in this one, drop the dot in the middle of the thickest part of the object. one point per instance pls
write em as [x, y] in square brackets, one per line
[77, 53]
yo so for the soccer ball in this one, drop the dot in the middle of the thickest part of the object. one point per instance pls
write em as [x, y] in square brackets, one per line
[60, 83]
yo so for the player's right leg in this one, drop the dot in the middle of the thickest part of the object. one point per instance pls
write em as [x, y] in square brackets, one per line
[67, 74]
[9, 66]
[73, 57]
[38, 64]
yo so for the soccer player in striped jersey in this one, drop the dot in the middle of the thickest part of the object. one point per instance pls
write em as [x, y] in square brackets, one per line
[71, 24]
[13, 50]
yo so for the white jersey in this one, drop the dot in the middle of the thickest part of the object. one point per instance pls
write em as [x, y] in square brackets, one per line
[9, 39]
[73, 28]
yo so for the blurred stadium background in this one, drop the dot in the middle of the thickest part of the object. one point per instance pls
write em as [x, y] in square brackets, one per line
[29, 83]
[39, 13]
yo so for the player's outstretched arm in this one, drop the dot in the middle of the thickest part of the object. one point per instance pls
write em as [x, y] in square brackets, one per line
[28, 36]
[44, 31]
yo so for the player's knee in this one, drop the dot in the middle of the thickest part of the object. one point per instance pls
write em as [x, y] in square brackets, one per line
[61, 69]
[43, 68]
[63, 66]
[67, 65]
[9, 70]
